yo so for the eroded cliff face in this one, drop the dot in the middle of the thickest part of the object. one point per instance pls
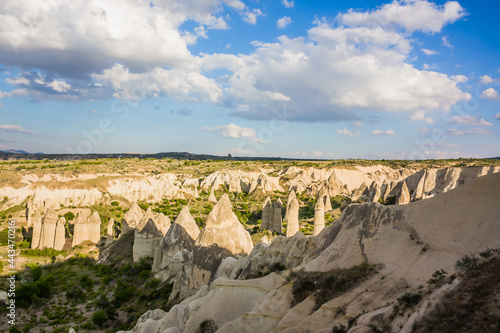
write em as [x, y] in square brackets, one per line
[370, 182]
[408, 243]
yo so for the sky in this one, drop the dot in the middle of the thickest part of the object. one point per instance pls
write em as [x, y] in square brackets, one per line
[297, 79]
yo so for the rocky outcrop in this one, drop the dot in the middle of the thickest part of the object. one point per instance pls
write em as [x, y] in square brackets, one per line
[178, 242]
[224, 229]
[132, 218]
[404, 195]
[60, 238]
[146, 240]
[37, 230]
[162, 223]
[410, 242]
[319, 217]
[87, 229]
[48, 230]
[110, 232]
[271, 215]
[293, 218]
[211, 197]
[291, 195]
[267, 208]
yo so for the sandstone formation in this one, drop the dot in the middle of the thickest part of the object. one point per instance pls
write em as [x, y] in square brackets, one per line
[110, 232]
[319, 217]
[404, 195]
[410, 241]
[277, 222]
[293, 219]
[179, 239]
[212, 197]
[48, 230]
[162, 223]
[132, 218]
[87, 229]
[291, 195]
[146, 240]
[224, 229]
[37, 230]
[266, 214]
[325, 197]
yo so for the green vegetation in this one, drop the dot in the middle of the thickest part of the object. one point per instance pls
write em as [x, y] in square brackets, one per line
[409, 299]
[467, 262]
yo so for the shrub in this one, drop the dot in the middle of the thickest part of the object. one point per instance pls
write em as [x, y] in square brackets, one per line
[410, 299]
[438, 277]
[339, 329]
[466, 263]
[69, 216]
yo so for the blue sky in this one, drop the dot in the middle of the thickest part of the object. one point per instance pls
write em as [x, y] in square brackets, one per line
[307, 79]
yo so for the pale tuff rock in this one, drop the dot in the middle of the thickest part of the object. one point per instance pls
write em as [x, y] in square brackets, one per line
[162, 223]
[266, 214]
[404, 195]
[211, 197]
[60, 238]
[37, 230]
[293, 218]
[361, 190]
[277, 222]
[327, 203]
[29, 211]
[148, 215]
[132, 218]
[319, 217]
[110, 232]
[291, 195]
[180, 237]
[224, 229]
[87, 230]
[48, 232]
[375, 195]
[146, 241]
[235, 180]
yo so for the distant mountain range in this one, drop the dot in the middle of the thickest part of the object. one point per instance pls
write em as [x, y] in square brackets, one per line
[13, 151]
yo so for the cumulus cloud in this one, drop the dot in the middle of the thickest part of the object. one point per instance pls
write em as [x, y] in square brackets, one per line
[429, 52]
[469, 120]
[474, 131]
[287, 4]
[497, 116]
[485, 79]
[418, 15]
[420, 115]
[490, 93]
[232, 131]
[381, 132]
[283, 22]
[252, 15]
[15, 128]
[347, 132]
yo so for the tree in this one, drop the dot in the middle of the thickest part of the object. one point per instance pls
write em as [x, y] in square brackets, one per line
[99, 318]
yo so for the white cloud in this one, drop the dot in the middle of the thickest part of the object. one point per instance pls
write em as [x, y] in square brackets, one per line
[283, 22]
[490, 93]
[448, 145]
[420, 115]
[445, 42]
[423, 129]
[474, 131]
[469, 120]
[93, 112]
[232, 131]
[178, 84]
[357, 123]
[381, 132]
[497, 116]
[485, 79]
[317, 153]
[429, 52]
[15, 128]
[345, 131]
[251, 16]
[287, 4]
[410, 15]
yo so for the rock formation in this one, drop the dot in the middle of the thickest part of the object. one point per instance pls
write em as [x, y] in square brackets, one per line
[277, 224]
[180, 237]
[404, 195]
[319, 217]
[267, 211]
[323, 194]
[293, 218]
[132, 218]
[291, 195]
[48, 232]
[212, 197]
[60, 236]
[87, 229]
[37, 230]
[224, 229]
[146, 240]
[162, 223]
[110, 232]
